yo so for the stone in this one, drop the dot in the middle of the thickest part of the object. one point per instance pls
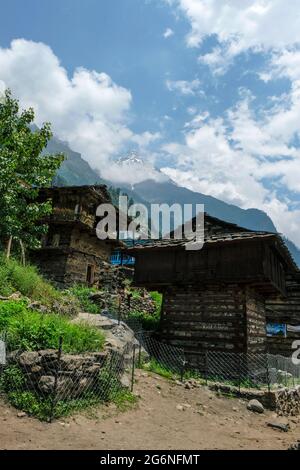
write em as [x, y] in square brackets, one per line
[28, 359]
[186, 405]
[280, 426]
[46, 383]
[179, 408]
[21, 414]
[38, 307]
[295, 446]
[255, 406]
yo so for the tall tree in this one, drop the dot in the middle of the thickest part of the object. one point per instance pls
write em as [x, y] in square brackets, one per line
[23, 170]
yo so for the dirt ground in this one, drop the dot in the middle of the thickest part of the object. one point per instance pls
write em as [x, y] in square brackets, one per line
[167, 416]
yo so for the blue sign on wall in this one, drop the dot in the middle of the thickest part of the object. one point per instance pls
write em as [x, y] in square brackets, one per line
[276, 329]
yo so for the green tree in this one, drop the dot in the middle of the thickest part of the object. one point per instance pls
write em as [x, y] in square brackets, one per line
[23, 170]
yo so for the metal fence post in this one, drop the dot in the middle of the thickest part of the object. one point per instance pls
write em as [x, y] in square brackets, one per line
[239, 370]
[56, 373]
[140, 353]
[182, 370]
[268, 374]
[119, 309]
[133, 367]
[206, 367]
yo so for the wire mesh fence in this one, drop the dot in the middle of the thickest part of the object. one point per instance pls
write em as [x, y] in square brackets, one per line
[166, 356]
[51, 383]
[248, 370]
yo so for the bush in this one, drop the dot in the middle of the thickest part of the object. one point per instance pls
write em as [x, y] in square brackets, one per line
[157, 298]
[147, 321]
[82, 293]
[30, 330]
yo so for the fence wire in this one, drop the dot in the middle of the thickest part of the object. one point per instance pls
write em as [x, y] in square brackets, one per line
[51, 383]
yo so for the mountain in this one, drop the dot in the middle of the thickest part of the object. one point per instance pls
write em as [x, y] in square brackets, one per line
[76, 171]
[170, 193]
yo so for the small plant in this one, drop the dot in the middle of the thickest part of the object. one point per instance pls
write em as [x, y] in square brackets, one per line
[30, 330]
[154, 366]
[82, 293]
[147, 321]
[12, 378]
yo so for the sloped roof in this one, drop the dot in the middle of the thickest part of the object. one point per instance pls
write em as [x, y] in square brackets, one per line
[229, 233]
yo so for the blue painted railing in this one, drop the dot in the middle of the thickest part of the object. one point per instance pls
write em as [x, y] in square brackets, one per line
[118, 259]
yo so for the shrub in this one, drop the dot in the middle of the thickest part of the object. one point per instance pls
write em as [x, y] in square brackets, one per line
[82, 293]
[30, 330]
[157, 298]
[148, 322]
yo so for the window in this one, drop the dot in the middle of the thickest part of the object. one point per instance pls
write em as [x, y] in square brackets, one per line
[90, 274]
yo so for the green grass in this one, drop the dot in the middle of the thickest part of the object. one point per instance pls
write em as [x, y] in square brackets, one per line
[15, 277]
[14, 384]
[157, 368]
[148, 322]
[157, 298]
[30, 330]
[82, 293]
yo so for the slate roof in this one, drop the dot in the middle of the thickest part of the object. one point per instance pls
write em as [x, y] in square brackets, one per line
[228, 233]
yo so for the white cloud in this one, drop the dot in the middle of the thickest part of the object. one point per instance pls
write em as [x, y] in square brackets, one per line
[240, 26]
[184, 87]
[88, 110]
[168, 33]
[244, 160]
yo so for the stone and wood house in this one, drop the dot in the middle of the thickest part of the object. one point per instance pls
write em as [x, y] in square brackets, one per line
[71, 252]
[221, 297]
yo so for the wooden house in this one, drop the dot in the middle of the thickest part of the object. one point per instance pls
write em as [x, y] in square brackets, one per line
[215, 298]
[71, 252]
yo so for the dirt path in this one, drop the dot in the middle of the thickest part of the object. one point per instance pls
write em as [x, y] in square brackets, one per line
[201, 421]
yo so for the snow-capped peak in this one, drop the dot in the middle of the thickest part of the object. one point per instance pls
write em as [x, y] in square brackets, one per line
[131, 159]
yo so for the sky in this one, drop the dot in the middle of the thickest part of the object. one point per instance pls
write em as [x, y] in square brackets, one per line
[208, 91]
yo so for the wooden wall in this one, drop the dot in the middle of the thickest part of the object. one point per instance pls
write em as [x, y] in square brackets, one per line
[286, 311]
[213, 318]
[233, 262]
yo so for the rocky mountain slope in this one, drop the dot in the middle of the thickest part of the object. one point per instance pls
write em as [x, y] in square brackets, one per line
[76, 171]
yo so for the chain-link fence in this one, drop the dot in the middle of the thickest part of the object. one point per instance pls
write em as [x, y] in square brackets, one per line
[51, 383]
[248, 370]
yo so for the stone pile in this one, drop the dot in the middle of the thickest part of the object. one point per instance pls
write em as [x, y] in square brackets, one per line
[288, 401]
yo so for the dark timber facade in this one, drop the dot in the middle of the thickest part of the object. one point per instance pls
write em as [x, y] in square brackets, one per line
[71, 252]
[215, 298]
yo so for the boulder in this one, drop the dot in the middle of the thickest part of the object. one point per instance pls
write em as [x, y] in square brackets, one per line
[279, 425]
[46, 383]
[119, 337]
[255, 406]
[29, 359]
